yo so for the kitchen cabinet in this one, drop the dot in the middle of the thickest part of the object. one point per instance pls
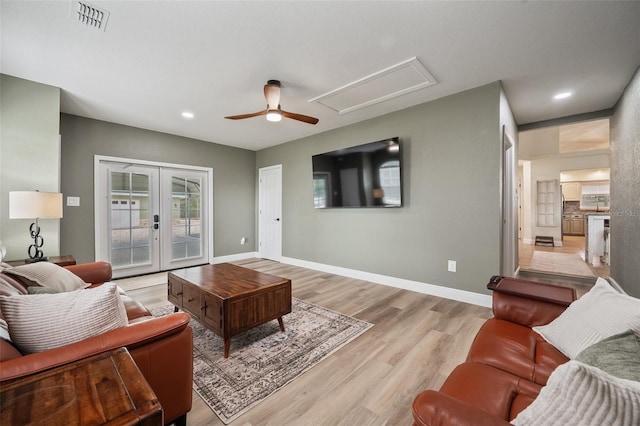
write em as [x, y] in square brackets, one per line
[571, 191]
[573, 224]
[577, 226]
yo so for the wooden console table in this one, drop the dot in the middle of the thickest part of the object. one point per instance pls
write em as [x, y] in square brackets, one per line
[67, 260]
[104, 389]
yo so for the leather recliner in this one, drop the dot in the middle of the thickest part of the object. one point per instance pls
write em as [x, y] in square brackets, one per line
[508, 363]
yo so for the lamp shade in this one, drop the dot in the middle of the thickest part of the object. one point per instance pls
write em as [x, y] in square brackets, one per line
[35, 205]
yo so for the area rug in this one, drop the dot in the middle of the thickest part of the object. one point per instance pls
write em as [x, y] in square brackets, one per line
[264, 359]
[559, 263]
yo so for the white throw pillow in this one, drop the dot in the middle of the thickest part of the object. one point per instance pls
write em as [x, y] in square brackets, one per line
[45, 321]
[602, 312]
[49, 275]
[581, 395]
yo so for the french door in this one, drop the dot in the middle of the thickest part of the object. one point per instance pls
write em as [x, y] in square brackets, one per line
[151, 218]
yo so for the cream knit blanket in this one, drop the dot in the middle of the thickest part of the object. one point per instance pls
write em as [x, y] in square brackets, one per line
[582, 395]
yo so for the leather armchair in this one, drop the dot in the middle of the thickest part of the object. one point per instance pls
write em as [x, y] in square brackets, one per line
[162, 348]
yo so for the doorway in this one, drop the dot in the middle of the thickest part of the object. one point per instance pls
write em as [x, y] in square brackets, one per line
[549, 154]
[151, 217]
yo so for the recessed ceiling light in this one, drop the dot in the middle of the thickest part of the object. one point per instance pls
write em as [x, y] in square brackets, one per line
[562, 95]
[188, 114]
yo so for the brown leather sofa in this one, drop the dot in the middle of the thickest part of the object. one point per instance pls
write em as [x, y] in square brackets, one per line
[162, 348]
[508, 362]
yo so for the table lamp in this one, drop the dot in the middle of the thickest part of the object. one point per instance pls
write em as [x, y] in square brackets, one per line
[35, 205]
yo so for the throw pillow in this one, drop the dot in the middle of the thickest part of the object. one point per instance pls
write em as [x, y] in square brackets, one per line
[45, 321]
[602, 312]
[4, 330]
[36, 289]
[581, 395]
[48, 275]
[617, 355]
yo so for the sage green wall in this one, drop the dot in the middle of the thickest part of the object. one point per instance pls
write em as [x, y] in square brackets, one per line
[451, 177]
[625, 195]
[29, 158]
[234, 175]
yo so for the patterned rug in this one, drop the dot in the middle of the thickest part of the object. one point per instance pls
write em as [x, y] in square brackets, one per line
[559, 263]
[264, 359]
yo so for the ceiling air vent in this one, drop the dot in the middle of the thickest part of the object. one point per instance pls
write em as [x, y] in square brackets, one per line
[89, 15]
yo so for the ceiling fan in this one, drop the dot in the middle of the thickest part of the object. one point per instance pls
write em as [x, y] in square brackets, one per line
[273, 111]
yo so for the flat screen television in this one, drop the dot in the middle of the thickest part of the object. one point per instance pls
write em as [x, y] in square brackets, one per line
[368, 175]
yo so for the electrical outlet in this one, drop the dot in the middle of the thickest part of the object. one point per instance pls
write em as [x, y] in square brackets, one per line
[243, 240]
[451, 266]
[73, 201]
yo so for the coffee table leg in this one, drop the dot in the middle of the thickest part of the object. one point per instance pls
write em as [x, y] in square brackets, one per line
[227, 345]
[281, 323]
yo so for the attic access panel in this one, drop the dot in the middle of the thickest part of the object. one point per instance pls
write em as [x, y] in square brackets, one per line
[392, 82]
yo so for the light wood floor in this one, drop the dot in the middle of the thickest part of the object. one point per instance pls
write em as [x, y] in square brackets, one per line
[415, 343]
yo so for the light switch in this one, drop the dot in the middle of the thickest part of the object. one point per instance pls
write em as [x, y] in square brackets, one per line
[73, 201]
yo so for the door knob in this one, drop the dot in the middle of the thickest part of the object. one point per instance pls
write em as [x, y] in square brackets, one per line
[277, 219]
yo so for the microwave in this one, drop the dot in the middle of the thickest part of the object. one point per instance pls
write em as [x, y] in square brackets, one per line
[594, 202]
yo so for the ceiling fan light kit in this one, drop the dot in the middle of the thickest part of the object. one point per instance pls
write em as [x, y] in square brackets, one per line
[273, 111]
[274, 116]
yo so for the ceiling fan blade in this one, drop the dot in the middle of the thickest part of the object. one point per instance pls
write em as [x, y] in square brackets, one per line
[299, 117]
[241, 116]
[272, 94]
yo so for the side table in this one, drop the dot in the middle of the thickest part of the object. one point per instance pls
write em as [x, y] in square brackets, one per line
[66, 260]
[107, 388]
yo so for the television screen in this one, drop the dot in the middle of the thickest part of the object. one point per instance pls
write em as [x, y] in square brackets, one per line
[368, 175]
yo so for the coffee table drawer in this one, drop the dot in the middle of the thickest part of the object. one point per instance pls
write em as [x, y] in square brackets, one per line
[175, 292]
[192, 300]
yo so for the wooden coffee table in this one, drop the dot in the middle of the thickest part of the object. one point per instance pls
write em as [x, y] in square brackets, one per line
[229, 299]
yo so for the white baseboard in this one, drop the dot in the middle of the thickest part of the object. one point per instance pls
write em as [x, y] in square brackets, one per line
[424, 288]
[234, 257]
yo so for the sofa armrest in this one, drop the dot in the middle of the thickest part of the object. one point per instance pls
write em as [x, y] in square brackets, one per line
[132, 336]
[432, 408]
[92, 273]
[528, 303]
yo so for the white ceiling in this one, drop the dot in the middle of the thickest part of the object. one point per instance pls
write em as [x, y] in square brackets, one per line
[159, 58]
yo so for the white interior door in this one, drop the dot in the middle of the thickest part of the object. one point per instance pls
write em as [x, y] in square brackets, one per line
[151, 218]
[270, 212]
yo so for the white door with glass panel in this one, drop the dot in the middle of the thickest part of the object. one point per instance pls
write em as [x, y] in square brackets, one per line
[185, 226]
[151, 218]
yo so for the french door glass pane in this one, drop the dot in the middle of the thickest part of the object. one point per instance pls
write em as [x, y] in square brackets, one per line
[186, 240]
[130, 232]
